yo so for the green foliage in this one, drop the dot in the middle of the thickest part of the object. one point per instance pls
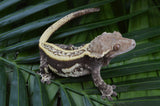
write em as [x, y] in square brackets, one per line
[136, 73]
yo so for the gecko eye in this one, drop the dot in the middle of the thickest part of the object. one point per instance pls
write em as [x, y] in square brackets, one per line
[116, 47]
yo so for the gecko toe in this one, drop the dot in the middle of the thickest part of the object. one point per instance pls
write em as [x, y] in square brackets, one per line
[48, 82]
[103, 97]
[108, 92]
[114, 86]
[114, 94]
[39, 73]
[110, 98]
[42, 81]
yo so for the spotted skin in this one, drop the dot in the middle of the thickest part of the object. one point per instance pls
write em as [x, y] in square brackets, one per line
[77, 68]
[105, 89]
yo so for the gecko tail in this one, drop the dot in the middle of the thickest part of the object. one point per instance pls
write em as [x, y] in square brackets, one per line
[50, 30]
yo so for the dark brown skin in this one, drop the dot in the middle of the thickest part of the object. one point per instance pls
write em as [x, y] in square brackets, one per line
[92, 64]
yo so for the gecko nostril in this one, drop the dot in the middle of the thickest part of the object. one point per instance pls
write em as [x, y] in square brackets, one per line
[133, 43]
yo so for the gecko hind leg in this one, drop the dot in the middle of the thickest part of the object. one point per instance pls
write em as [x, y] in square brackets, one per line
[46, 76]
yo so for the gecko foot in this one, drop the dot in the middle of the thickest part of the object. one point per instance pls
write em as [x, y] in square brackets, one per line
[46, 78]
[108, 92]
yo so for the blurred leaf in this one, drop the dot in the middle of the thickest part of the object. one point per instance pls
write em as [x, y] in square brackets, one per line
[42, 22]
[137, 85]
[6, 3]
[27, 11]
[139, 102]
[3, 85]
[133, 85]
[87, 27]
[143, 34]
[132, 68]
[142, 20]
[28, 59]
[18, 46]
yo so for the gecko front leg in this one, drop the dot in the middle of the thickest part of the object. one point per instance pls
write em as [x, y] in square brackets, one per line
[105, 89]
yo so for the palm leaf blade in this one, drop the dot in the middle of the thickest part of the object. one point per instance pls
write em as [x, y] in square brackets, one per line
[97, 25]
[3, 85]
[18, 87]
[65, 98]
[7, 3]
[26, 12]
[42, 22]
[39, 96]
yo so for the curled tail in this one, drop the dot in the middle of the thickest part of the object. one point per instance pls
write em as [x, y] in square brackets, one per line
[50, 30]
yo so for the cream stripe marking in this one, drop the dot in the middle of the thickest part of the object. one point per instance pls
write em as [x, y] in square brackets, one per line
[68, 58]
[66, 70]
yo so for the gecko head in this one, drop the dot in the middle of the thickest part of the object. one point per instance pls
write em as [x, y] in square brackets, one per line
[110, 45]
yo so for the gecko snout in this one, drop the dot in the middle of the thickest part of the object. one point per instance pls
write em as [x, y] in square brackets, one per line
[133, 43]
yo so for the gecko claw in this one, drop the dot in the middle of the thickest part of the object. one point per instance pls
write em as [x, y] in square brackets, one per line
[108, 97]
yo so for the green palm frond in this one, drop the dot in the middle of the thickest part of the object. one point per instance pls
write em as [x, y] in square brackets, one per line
[136, 73]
